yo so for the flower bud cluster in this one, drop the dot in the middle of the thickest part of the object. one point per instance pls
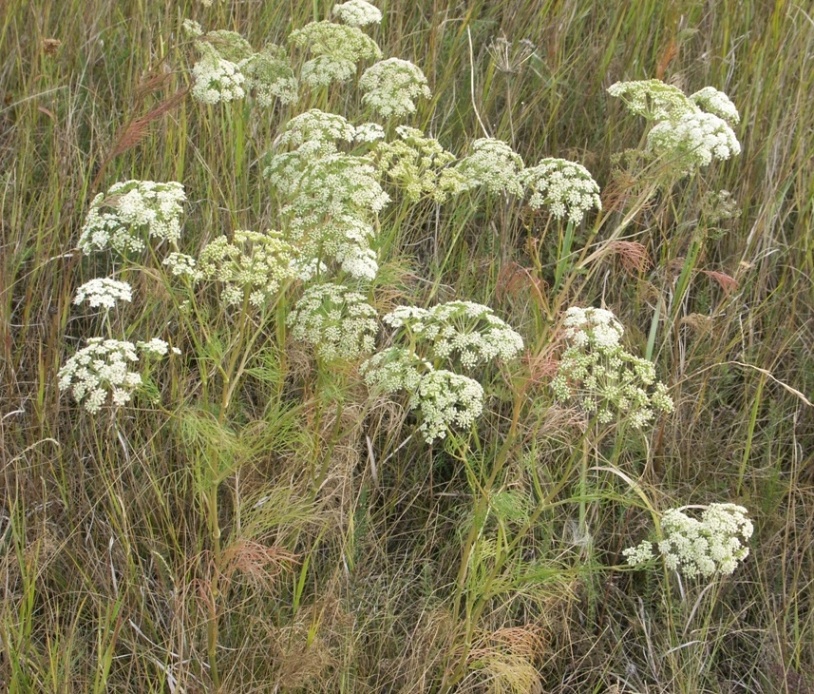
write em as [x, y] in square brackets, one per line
[104, 292]
[392, 86]
[690, 130]
[493, 165]
[419, 165]
[119, 218]
[565, 187]
[338, 322]
[711, 546]
[252, 265]
[606, 380]
[357, 13]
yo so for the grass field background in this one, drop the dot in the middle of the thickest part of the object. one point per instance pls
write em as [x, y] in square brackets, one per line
[345, 558]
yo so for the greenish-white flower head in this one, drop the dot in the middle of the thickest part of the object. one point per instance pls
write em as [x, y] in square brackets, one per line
[182, 265]
[315, 132]
[104, 293]
[269, 76]
[709, 547]
[395, 369]
[217, 79]
[337, 321]
[369, 132]
[446, 399]
[357, 13]
[604, 379]
[252, 266]
[566, 188]
[131, 210]
[392, 86]
[693, 140]
[337, 48]
[458, 331]
[418, 165]
[653, 99]
[716, 102]
[492, 165]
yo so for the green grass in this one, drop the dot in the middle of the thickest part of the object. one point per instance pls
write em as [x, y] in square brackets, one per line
[291, 537]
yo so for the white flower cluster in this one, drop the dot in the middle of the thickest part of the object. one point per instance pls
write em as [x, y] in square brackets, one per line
[708, 547]
[391, 87]
[338, 322]
[652, 99]
[443, 398]
[229, 69]
[713, 101]
[564, 186]
[695, 139]
[358, 13]
[446, 399]
[217, 79]
[419, 165]
[315, 132]
[104, 292]
[470, 332]
[692, 137]
[269, 76]
[602, 376]
[100, 367]
[368, 132]
[156, 347]
[336, 48]
[182, 265]
[493, 165]
[118, 219]
[252, 265]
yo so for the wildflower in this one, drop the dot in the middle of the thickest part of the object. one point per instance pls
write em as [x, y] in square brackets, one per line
[103, 292]
[337, 321]
[564, 186]
[447, 399]
[391, 87]
[358, 13]
[713, 101]
[182, 265]
[419, 165]
[707, 547]
[101, 369]
[605, 379]
[269, 76]
[336, 49]
[217, 79]
[653, 99]
[493, 165]
[368, 132]
[395, 369]
[695, 139]
[119, 218]
[470, 332]
[252, 265]
[315, 132]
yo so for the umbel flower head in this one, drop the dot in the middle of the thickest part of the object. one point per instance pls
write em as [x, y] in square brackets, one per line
[707, 547]
[269, 76]
[337, 321]
[103, 369]
[120, 218]
[104, 292]
[419, 165]
[315, 132]
[252, 265]
[458, 330]
[565, 187]
[443, 398]
[603, 378]
[694, 140]
[493, 165]
[216, 78]
[336, 48]
[712, 101]
[652, 99]
[391, 87]
[357, 13]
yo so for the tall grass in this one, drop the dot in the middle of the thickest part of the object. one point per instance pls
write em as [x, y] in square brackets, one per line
[293, 536]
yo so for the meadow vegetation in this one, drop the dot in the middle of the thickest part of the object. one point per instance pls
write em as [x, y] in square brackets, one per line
[427, 347]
